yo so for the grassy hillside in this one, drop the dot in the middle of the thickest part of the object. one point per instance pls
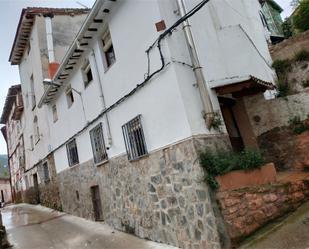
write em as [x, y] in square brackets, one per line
[4, 170]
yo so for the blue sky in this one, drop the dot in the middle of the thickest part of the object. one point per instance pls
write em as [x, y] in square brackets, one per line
[9, 16]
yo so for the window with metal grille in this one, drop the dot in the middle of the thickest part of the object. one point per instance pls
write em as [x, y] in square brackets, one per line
[98, 145]
[72, 152]
[134, 138]
[46, 172]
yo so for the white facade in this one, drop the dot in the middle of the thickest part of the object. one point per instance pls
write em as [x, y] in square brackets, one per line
[33, 68]
[230, 41]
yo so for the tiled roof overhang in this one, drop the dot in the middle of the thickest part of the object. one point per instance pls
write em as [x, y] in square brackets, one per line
[25, 25]
[10, 99]
[245, 87]
[84, 37]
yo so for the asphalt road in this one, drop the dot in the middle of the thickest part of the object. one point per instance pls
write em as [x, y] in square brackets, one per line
[36, 227]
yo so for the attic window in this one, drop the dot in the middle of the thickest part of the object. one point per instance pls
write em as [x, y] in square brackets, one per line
[87, 74]
[108, 49]
[69, 96]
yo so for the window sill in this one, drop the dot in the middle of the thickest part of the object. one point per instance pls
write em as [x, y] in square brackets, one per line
[108, 68]
[139, 158]
[101, 163]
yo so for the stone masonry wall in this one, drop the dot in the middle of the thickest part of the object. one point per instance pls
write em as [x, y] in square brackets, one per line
[288, 48]
[266, 115]
[49, 190]
[248, 209]
[161, 197]
[276, 139]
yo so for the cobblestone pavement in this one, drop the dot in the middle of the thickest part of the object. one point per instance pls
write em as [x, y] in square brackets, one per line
[37, 227]
[289, 233]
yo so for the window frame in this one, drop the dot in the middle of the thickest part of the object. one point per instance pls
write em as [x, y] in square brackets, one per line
[54, 113]
[46, 173]
[134, 139]
[102, 144]
[69, 96]
[32, 90]
[70, 159]
[86, 69]
[107, 44]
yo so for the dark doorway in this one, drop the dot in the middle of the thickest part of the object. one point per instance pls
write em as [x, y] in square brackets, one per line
[36, 188]
[96, 201]
[2, 196]
[226, 105]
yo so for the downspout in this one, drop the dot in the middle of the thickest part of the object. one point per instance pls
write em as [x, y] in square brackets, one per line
[109, 136]
[208, 112]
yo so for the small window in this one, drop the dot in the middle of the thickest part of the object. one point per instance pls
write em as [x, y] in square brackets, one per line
[134, 138]
[98, 145]
[87, 74]
[108, 48]
[46, 172]
[69, 96]
[31, 142]
[72, 153]
[36, 129]
[32, 92]
[55, 114]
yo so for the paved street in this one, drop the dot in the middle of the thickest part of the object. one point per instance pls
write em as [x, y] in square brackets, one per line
[37, 227]
[289, 233]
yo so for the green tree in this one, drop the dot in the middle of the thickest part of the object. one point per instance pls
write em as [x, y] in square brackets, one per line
[287, 28]
[301, 17]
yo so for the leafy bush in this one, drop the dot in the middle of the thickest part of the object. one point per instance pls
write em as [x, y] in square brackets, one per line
[282, 66]
[222, 162]
[302, 55]
[298, 126]
[283, 89]
[305, 83]
[287, 28]
[301, 17]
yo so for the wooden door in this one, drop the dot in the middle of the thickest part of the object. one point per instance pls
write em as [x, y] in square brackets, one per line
[96, 201]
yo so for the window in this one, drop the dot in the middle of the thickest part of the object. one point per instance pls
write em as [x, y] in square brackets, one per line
[46, 172]
[32, 92]
[87, 74]
[69, 95]
[26, 182]
[134, 138]
[108, 48]
[31, 143]
[36, 129]
[55, 114]
[98, 145]
[72, 153]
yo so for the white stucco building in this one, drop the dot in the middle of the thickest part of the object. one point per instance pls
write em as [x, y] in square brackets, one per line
[140, 90]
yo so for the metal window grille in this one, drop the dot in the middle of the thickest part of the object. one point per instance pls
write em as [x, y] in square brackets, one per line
[72, 153]
[98, 145]
[46, 172]
[134, 138]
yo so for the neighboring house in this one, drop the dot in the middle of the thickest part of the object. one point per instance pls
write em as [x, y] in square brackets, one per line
[272, 20]
[13, 119]
[122, 128]
[43, 35]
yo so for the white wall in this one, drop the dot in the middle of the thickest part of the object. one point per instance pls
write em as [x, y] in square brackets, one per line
[170, 104]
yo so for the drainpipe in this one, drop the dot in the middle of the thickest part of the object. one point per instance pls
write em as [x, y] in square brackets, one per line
[109, 136]
[208, 112]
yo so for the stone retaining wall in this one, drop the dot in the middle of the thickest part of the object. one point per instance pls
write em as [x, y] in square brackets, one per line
[248, 209]
[161, 197]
